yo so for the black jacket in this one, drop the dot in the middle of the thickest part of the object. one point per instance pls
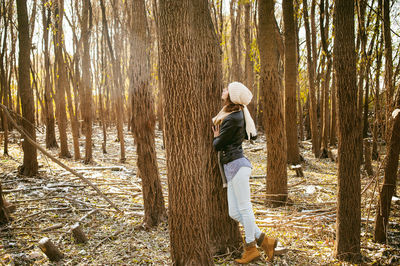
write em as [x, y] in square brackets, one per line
[231, 135]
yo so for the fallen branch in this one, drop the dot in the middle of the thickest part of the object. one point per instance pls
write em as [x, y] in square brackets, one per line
[31, 141]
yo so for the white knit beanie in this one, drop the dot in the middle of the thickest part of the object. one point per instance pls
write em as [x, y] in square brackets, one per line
[240, 94]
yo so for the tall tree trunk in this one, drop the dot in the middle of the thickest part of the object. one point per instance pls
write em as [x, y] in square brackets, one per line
[377, 109]
[277, 192]
[30, 164]
[74, 121]
[118, 86]
[348, 221]
[389, 181]
[61, 78]
[311, 74]
[333, 120]
[389, 89]
[143, 116]
[186, 28]
[293, 154]
[86, 83]
[249, 62]
[324, 29]
[3, 79]
[235, 75]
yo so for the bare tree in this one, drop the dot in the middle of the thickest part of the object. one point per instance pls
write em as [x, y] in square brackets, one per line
[348, 221]
[30, 164]
[143, 114]
[51, 141]
[311, 63]
[61, 78]
[277, 192]
[293, 153]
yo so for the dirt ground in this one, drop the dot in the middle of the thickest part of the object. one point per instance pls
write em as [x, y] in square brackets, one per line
[49, 204]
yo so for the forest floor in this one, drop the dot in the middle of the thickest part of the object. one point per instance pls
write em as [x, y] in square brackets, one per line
[49, 204]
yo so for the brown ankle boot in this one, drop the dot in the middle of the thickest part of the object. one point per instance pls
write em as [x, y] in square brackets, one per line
[250, 253]
[268, 244]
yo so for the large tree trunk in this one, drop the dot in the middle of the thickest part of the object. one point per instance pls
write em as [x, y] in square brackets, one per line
[311, 74]
[185, 29]
[389, 182]
[30, 164]
[348, 221]
[51, 141]
[61, 79]
[143, 116]
[86, 84]
[293, 155]
[274, 115]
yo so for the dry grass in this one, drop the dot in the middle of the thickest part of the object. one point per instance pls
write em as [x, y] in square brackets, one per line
[305, 228]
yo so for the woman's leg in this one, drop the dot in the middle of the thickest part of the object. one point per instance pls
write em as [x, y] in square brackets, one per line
[232, 204]
[241, 193]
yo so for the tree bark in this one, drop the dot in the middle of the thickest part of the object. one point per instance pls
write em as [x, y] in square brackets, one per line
[293, 153]
[86, 81]
[311, 74]
[348, 221]
[389, 182]
[30, 164]
[143, 116]
[277, 192]
[389, 89]
[4, 216]
[118, 86]
[186, 29]
[61, 79]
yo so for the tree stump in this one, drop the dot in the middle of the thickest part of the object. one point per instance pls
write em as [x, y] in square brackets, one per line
[298, 169]
[368, 157]
[78, 233]
[4, 217]
[51, 251]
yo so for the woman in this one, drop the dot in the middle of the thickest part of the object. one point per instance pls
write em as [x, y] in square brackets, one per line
[232, 125]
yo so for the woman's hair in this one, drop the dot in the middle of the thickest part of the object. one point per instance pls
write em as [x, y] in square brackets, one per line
[230, 106]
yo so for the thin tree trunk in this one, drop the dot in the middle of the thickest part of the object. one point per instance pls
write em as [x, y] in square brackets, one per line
[61, 79]
[311, 73]
[30, 164]
[86, 81]
[389, 182]
[3, 80]
[143, 125]
[74, 121]
[348, 221]
[293, 153]
[234, 35]
[277, 192]
[249, 63]
[118, 86]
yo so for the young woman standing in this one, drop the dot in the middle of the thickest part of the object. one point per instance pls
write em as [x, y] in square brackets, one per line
[232, 125]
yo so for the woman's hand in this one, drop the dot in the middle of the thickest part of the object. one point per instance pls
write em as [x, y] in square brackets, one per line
[216, 130]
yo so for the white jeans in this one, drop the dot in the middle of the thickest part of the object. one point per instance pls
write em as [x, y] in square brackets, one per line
[240, 208]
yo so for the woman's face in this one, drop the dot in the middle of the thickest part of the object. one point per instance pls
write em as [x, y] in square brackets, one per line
[225, 94]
